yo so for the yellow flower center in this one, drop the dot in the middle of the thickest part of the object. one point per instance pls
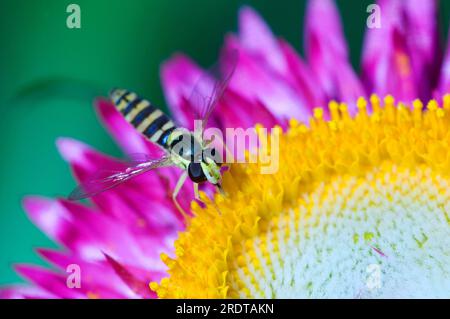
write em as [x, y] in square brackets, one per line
[360, 207]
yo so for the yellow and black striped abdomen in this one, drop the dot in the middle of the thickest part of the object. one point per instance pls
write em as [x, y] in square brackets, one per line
[140, 113]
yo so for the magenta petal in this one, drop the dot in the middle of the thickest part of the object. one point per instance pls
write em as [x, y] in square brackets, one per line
[277, 57]
[179, 76]
[257, 84]
[444, 81]
[302, 77]
[402, 56]
[237, 111]
[144, 213]
[401, 76]
[136, 195]
[48, 215]
[86, 162]
[376, 50]
[57, 223]
[24, 292]
[56, 284]
[323, 24]
[137, 284]
[123, 132]
[327, 53]
[88, 233]
[256, 37]
[108, 285]
[50, 281]
[108, 235]
[421, 25]
[80, 155]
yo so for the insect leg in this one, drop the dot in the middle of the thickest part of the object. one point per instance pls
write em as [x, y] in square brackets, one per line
[220, 189]
[177, 189]
[196, 193]
[197, 196]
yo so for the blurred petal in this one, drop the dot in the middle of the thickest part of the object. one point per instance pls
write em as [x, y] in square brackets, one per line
[186, 87]
[277, 57]
[52, 282]
[237, 111]
[132, 198]
[178, 76]
[256, 37]
[401, 57]
[123, 132]
[81, 155]
[444, 81]
[109, 235]
[327, 53]
[24, 292]
[257, 84]
[50, 217]
[138, 285]
[303, 78]
[57, 222]
[323, 27]
[88, 233]
[423, 43]
[89, 273]
[377, 45]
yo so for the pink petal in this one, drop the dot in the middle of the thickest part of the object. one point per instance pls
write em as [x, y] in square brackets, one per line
[57, 222]
[327, 53]
[376, 51]
[138, 284]
[256, 38]
[180, 76]
[81, 155]
[303, 78]
[401, 57]
[108, 235]
[257, 84]
[444, 82]
[86, 162]
[422, 30]
[276, 56]
[238, 112]
[24, 292]
[123, 132]
[88, 233]
[323, 25]
[49, 216]
[96, 277]
[50, 281]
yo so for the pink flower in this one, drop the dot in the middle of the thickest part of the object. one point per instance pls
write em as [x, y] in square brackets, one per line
[118, 240]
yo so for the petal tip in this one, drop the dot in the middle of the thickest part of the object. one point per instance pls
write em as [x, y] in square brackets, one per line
[35, 203]
[70, 149]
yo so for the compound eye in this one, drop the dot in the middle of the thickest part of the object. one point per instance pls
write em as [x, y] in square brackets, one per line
[196, 174]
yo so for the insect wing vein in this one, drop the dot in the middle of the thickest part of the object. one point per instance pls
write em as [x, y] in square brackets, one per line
[107, 179]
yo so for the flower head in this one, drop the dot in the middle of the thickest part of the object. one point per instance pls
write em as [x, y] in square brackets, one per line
[349, 196]
[360, 184]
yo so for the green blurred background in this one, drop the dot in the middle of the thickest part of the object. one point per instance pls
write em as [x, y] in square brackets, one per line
[49, 76]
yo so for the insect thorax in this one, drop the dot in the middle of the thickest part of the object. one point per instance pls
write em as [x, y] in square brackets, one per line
[182, 143]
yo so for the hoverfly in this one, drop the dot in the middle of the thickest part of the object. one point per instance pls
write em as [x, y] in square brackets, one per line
[182, 148]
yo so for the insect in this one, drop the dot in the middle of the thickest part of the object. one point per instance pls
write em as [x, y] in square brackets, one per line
[182, 148]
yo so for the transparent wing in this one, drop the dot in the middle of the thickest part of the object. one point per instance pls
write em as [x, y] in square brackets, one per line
[210, 88]
[109, 178]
